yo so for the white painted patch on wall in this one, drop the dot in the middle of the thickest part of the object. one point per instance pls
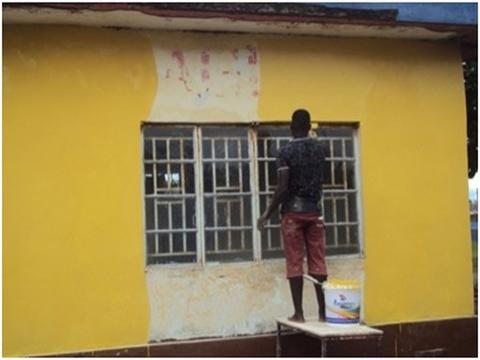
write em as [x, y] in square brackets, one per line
[205, 78]
[228, 299]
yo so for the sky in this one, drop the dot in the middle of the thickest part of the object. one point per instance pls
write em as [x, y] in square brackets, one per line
[473, 185]
[445, 13]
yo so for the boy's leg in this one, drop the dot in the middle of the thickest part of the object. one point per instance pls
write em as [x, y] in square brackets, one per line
[296, 288]
[320, 296]
[293, 240]
[315, 239]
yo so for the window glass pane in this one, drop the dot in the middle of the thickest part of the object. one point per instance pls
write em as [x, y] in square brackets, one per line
[148, 174]
[190, 213]
[245, 176]
[164, 241]
[147, 149]
[342, 235]
[177, 215]
[150, 213]
[244, 149]
[151, 239]
[209, 241]
[233, 149]
[220, 176]
[352, 207]
[350, 169]
[208, 177]
[349, 147]
[234, 176]
[191, 242]
[340, 204]
[161, 149]
[339, 177]
[207, 148]
[188, 149]
[188, 176]
[262, 179]
[178, 242]
[175, 148]
[337, 148]
[235, 212]
[219, 148]
[163, 214]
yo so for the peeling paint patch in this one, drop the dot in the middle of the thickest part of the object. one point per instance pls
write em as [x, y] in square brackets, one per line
[205, 57]
[227, 299]
[194, 67]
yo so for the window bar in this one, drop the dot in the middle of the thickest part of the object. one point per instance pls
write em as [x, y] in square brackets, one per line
[145, 237]
[240, 182]
[214, 190]
[184, 200]
[170, 227]
[339, 191]
[281, 238]
[185, 161]
[227, 170]
[268, 193]
[254, 186]
[344, 171]
[332, 166]
[229, 224]
[335, 224]
[166, 231]
[267, 189]
[220, 228]
[169, 188]
[155, 210]
[169, 174]
[165, 138]
[347, 218]
[358, 187]
[199, 190]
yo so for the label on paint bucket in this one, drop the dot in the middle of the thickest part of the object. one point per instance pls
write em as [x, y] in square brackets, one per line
[342, 303]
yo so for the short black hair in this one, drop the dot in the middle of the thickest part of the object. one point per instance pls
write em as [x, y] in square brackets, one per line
[300, 121]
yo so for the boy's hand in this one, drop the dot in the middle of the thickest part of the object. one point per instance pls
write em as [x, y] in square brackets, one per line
[261, 222]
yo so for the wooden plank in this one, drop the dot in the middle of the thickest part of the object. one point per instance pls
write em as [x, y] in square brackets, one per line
[319, 329]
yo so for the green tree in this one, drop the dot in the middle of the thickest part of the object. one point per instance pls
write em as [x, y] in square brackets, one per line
[471, 92]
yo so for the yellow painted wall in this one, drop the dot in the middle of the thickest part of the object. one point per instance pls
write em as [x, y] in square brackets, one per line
[73, 263]
[72, 241]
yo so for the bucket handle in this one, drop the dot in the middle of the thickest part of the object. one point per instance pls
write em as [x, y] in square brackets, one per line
[312, 279]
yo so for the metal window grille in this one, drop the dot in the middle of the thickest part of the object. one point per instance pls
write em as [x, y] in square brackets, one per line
[269, 141]
[340, 193]
[226, 157]
[201, 183]
[170, 199]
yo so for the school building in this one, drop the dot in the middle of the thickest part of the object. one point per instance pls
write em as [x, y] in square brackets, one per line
[139, 146]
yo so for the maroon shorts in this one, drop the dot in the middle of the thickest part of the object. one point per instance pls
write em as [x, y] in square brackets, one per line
[302, 231]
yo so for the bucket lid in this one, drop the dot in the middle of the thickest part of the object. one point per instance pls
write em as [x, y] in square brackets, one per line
[342, 284]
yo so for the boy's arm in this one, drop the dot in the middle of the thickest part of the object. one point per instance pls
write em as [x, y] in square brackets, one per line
[280, 192]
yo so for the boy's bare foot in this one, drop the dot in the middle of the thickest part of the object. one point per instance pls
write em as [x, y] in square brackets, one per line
[297, 318]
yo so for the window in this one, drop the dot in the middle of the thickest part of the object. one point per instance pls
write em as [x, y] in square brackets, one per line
[206, 186]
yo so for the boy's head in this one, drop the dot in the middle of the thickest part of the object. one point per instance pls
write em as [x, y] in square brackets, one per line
[300, 125]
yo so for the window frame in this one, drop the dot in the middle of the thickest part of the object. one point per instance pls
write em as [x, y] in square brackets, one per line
[252, 132]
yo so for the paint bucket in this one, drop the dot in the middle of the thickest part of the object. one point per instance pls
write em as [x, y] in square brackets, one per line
[342, 302]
